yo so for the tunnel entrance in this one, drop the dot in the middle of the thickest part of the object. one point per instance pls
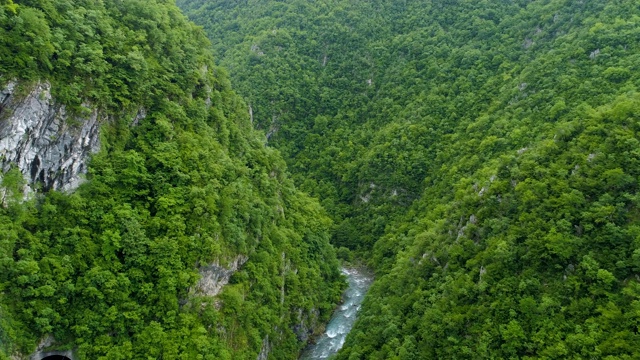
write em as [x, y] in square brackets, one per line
[56, 357]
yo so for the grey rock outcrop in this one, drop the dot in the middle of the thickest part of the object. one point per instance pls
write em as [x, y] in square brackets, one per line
[307, 322]
[46, 349]
[265, 350]
[48, 145]
[214, 277]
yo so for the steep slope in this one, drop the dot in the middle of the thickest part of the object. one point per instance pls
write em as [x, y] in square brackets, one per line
[489, 167]
[182, 197]
[307, 70]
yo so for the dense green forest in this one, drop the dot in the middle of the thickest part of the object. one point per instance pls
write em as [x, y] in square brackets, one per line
[109, 270]
[482, 156]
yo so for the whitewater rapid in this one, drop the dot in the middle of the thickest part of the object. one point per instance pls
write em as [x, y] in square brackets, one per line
[343, 318]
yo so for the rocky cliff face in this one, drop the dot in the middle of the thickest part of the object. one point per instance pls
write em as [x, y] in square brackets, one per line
[214, 276]
[39, 137]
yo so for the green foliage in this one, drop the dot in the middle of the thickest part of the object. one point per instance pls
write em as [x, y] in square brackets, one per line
[113, 54]
[111, 269]
[11, 187]
[481, 154]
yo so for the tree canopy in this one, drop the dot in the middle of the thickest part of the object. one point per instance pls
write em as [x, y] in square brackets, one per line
[481, 155]
[110, 270]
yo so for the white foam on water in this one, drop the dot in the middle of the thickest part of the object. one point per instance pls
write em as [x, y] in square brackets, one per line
[343, 318]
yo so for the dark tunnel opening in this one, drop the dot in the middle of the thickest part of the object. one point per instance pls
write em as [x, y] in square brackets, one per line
[56, 357]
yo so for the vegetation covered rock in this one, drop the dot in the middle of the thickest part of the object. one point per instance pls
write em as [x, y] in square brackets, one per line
[105, 270]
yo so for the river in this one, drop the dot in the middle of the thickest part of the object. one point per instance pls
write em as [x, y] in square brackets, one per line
[343, 318]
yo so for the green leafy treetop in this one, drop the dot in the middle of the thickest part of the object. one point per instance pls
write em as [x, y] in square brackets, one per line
[110, 270]
[482, 156]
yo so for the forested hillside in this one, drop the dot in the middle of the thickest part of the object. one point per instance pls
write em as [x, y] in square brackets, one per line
[483, 156]
[110, 270]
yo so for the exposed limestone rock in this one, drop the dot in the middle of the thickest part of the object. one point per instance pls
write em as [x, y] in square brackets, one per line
[307, 324]
[140, 115]
[45, 349]
[265, 350]
[214, 277]
[47, 145]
